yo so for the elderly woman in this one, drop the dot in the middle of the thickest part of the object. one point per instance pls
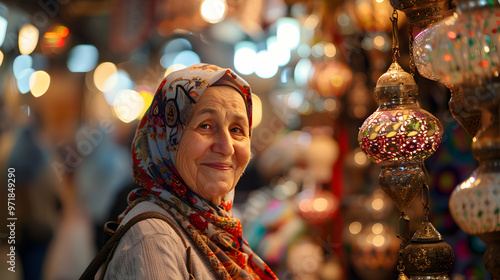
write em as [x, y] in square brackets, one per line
[190, 150]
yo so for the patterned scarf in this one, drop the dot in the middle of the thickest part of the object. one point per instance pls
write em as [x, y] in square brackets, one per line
[212, 227]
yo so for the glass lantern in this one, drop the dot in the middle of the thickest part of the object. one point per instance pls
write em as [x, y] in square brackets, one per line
[399, 136]
[462, 51]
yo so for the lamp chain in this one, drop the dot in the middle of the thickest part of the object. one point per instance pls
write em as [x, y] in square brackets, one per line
[425, 201]
[404, 235]
[410, 42]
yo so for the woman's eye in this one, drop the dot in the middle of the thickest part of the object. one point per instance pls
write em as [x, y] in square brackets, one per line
[205, 126]
[236, 129]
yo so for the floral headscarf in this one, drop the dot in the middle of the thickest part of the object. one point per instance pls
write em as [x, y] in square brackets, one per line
[212, 227]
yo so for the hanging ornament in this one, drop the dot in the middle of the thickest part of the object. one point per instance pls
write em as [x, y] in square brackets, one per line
[468, 116]
[462, 51]
[475, 204]
[428, 256]
[421, 13]
[400, 136]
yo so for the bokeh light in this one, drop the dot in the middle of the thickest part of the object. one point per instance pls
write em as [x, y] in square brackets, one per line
[228, 31]
[186, 58]
[278, 51]
[304, 50]
[213, 11]
[305, 205]
[83, 58]
[330, 50]
[330, 104]
[39, 83]
[1, 58]
[318, 50]
[23, 80]
[128, 105]
[360, 158]
[177, 45]
[379, 41]
[173, 68]
[355, 227]
[245, 54]
[288, 32]
[265, 65]
[55, 40]
[102, 73]
[309, 28]
[21, 62]
[320, 204]
[116, 83]
[3, 29]
[295, 99]
[311, 21]
[28, 38]
[377, 228]
[378, 240]
[301, 72]
[377, 204]
[256, 110]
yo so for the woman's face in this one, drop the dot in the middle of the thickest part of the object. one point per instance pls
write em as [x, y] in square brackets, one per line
[215, 146]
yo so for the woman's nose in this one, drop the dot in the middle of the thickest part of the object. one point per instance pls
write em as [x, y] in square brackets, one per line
[223, 143]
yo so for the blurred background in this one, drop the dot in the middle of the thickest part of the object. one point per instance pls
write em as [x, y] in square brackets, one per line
[77, 75]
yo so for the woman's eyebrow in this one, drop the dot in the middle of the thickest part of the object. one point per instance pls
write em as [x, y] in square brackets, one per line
[212, 111]
[207, 110]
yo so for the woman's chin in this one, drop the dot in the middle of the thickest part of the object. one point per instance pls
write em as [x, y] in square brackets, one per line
[215, 191]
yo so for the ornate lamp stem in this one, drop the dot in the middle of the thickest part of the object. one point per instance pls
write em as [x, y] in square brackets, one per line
[395, 36]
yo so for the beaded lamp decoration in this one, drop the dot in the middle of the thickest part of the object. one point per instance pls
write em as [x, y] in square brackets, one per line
[399, 136]
[462, 51]
[475, 204]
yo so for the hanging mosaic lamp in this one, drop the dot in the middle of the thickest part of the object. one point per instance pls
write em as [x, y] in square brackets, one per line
[428, 256]
[462, 51]
[467, 115]
[399, 136]
[475, 204]
[428, 48]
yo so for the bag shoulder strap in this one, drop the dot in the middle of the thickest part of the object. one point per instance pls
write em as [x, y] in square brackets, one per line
[104, 255]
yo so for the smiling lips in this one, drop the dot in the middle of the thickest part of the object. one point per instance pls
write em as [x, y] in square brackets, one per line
[219, 165]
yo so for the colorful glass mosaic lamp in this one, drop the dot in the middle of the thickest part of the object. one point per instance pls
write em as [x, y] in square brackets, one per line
[463, 51]
[399, 136]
